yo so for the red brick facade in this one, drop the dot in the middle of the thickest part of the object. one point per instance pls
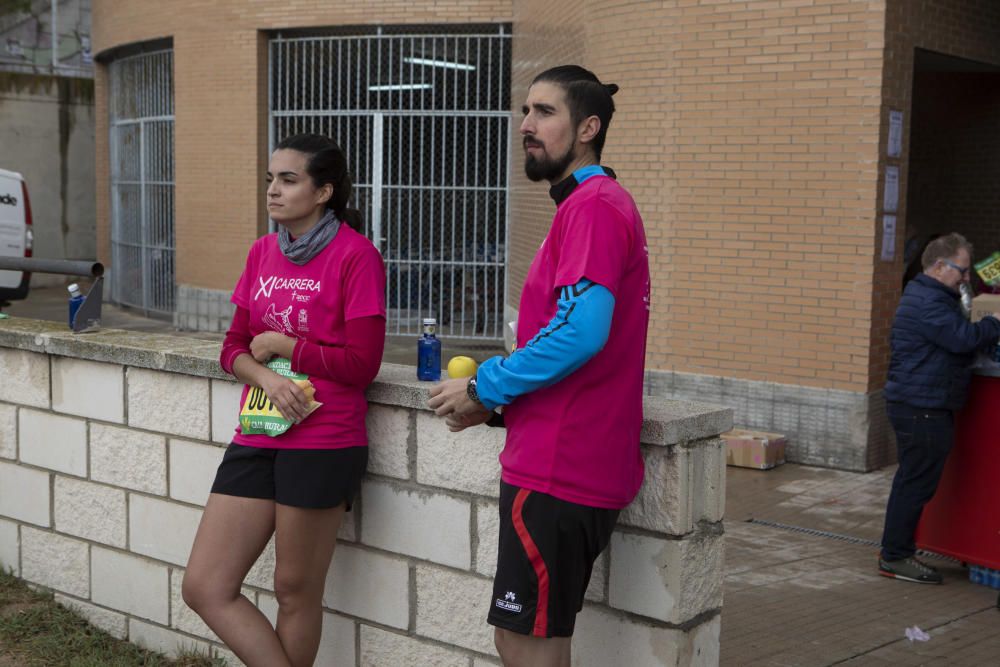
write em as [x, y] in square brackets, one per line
[752, 134]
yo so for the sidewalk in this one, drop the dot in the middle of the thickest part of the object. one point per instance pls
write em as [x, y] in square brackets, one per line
[800, 599]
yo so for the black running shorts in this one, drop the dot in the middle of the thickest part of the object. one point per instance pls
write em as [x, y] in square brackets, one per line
[308, 478]
[546, 554]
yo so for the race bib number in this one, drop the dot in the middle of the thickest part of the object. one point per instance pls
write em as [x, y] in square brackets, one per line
[258, 415]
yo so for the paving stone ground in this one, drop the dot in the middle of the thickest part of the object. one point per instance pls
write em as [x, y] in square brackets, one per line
[794, 599]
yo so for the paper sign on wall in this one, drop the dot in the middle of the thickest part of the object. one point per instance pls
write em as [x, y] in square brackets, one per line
[890, 201]
[888, 238]
[895, 148]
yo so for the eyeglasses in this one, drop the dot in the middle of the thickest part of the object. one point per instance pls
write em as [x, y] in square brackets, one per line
[958, 268]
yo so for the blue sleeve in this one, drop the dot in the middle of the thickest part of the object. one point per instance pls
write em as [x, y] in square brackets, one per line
[578, 331]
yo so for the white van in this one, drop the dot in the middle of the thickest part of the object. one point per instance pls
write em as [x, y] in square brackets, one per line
[15, 233]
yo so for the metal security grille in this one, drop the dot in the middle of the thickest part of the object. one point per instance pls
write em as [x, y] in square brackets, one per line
[425, 121]
[142, 181]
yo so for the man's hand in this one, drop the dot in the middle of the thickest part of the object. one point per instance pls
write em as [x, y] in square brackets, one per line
[451, 398]
[456, 424]
[271, 344]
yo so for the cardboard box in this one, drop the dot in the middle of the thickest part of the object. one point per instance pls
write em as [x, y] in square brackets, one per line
[985, 304]
[754, 449]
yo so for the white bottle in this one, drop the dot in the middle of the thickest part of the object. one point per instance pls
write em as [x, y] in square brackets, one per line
[965, 289]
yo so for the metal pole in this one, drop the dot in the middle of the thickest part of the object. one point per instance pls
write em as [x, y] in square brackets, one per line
[376, 196]
[67, 267]
[55, 34]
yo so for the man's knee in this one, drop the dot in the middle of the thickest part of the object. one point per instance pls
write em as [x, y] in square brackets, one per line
[517, 650]
[506, 643]
[511, 646]
[498, 640]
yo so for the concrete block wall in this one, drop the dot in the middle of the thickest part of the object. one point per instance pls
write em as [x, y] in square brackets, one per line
[825, 427]
[110, 443]
[201, 309]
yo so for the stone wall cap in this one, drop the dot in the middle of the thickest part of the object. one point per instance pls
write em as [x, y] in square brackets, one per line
[666, 421]
[167, 352]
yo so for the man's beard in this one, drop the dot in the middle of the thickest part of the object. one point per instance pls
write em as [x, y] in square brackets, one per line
[538, 169]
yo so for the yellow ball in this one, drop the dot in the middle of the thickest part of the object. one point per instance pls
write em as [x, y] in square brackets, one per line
[461, 367]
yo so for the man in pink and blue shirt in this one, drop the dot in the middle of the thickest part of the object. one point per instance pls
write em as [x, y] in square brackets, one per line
[570, 395]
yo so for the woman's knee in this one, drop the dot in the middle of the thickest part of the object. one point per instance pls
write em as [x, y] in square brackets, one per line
[296, 589]
[200, 590]
[192, 590]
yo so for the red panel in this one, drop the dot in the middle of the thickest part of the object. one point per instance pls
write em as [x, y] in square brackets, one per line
[537, 562]
[963, 519]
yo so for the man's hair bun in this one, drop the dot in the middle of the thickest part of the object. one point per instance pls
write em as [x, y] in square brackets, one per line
[612, 88]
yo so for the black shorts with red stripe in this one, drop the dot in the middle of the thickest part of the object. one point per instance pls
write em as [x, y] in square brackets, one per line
[545, 557]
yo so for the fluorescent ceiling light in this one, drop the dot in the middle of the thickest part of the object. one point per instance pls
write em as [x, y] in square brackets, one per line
[400, 86]
[440, 63]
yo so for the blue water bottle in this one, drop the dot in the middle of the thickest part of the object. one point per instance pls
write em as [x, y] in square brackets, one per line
[429, 353]
[75, 301]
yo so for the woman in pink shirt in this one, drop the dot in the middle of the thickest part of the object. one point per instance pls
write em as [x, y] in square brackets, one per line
[308, 329]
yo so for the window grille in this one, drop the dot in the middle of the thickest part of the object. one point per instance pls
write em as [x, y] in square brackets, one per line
[424, 116]
[142, 181]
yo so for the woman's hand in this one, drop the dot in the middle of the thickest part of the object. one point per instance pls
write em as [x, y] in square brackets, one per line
[271, 344]
[287, 396]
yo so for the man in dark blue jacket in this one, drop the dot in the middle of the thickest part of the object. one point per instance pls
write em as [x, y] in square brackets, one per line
[933, 346]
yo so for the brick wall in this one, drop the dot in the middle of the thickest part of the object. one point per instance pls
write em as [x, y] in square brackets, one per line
[105, 467]
[740, 131]
[220, 67]
[746, 132]
[545, 34]
[752, 134]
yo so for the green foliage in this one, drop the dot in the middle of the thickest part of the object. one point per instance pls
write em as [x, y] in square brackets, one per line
[72, 90]
[14, 7]
[40, 632]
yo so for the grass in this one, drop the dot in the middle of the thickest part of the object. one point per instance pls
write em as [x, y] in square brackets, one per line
[35, 631]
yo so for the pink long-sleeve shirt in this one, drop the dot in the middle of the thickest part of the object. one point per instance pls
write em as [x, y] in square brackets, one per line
[334, 305]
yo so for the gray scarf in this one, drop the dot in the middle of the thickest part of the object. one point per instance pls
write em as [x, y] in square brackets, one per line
[310, 244]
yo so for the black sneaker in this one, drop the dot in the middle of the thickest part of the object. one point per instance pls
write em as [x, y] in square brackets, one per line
[909, 569]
